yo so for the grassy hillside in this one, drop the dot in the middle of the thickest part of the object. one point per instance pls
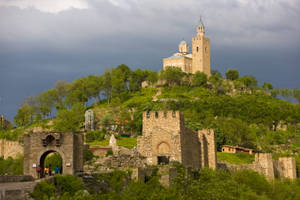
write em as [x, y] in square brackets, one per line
[239, 110]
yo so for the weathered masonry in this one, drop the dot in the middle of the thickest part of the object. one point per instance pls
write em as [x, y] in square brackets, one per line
[38, 145]
[165, 139]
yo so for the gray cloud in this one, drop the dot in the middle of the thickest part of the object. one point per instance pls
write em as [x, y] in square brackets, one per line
[41, 44]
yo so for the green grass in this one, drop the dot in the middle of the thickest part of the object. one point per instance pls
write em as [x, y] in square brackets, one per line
[128, 142]
[238, 158]
[97, 143]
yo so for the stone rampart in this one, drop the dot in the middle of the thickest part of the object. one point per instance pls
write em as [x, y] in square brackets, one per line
[284, 167]
[10, 148]
[166, 173]
[20, 178]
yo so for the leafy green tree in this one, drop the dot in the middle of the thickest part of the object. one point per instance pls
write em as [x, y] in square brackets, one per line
[81, 90]
[25, 115]
[232, 74]
[217, 83]
[216, 72]
[62, 88]
[70, 120]
[136, 79]
[172, 75]
[152, 77]
[249, 82]
[267, 86]
[46, 101]
[236, 132]
[296, 94]
[119, 80]
[94, 86]
[107, 85]
[199, 79]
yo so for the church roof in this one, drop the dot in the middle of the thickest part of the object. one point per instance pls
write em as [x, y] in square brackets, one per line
[180, 56]
[182, 42]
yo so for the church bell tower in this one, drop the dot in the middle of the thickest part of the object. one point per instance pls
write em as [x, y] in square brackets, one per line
[201, 51]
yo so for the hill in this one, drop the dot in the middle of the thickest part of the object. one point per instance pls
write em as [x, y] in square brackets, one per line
[239, 110]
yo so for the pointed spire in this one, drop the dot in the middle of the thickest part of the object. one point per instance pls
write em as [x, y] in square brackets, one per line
[201, 22]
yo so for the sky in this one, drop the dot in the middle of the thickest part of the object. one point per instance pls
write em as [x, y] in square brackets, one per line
[42, 42]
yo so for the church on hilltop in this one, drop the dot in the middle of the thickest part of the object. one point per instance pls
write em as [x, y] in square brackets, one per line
[198, 60]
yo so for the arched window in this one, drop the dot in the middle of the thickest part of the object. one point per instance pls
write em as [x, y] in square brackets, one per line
[197, 49]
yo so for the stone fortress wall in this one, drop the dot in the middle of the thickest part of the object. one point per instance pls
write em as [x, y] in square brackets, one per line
[284, 167]
[10, 148]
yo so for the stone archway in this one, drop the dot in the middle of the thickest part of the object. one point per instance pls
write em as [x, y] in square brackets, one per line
[38, 145]
[43, 159]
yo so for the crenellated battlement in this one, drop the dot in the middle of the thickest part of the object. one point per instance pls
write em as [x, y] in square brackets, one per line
[162, 115]
[167, 120]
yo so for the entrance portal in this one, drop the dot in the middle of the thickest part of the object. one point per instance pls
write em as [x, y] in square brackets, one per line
[163, 160]
[51, 163]
[66, 147]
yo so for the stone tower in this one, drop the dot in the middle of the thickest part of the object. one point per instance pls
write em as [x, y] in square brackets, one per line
[201, 51]
[166, 139]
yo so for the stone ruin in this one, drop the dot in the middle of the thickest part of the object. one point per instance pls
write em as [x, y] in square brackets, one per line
[284, 167]
[89, 123]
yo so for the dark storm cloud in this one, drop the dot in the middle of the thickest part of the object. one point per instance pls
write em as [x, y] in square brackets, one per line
[42, 42]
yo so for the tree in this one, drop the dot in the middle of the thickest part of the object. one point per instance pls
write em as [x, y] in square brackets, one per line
[24, 115]
[70, 120]
[78, 92]
[216, 72]
[267, 86]
[217, 82]
[152, 77]
[46, 101]
[119, 82]
[136, 79]
[172, 75]
[62, 88]
[296, 94]
[249, 82]
[107, 86]
[199, 79]
[94, 86]
[232, 74]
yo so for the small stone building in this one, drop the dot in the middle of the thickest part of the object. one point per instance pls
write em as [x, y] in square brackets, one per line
[236, 149]
[165, 139]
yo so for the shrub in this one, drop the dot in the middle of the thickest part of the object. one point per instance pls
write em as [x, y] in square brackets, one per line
[43, 190]
[109, 152]
[67, 183]
[91, 136]
[87, 155]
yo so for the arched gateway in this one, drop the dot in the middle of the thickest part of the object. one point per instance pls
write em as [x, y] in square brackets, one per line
[38, 145]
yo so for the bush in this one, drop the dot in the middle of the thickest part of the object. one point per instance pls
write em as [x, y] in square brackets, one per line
[12, 166]
[91, 136]
[87, 155]
[43, 190]
[67, 183]
[109, 152]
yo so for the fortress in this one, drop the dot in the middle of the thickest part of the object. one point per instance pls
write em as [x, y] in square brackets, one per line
[198, 60]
